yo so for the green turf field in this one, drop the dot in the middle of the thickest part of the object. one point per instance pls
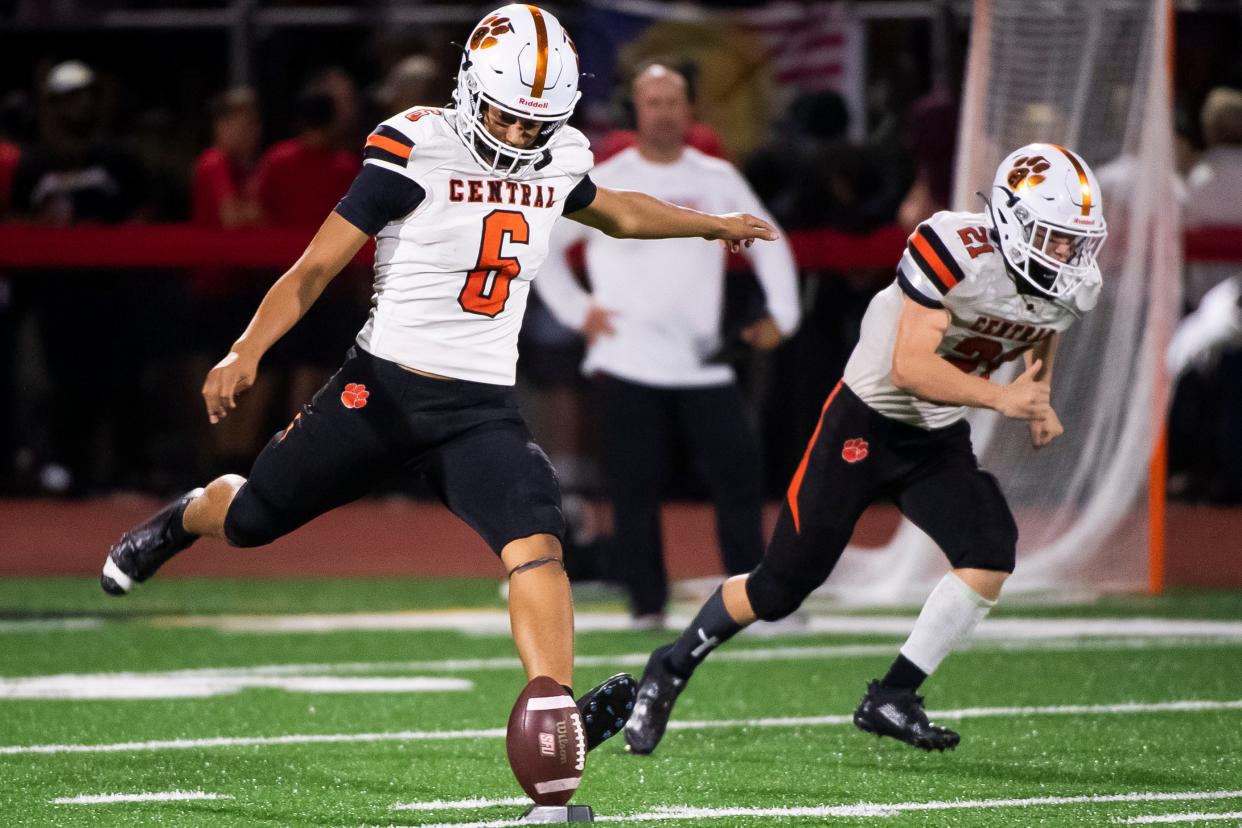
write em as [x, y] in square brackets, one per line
[326, 726]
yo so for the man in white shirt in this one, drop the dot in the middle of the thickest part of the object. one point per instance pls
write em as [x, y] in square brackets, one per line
[652, 324]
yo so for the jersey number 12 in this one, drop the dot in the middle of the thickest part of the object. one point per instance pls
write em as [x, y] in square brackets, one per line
[487, 286]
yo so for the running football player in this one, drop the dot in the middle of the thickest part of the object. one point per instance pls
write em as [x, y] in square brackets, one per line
[973, 291]
[461, 201]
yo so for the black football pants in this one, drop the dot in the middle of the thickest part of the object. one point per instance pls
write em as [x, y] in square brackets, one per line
[637, 426]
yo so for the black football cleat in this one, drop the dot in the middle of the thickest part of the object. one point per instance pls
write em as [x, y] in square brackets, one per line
[144, 549]
[888, 711]
[606, 707]
[657, 691]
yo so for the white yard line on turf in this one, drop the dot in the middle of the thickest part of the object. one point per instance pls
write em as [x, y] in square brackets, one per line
[1166, 818]
[1188, 706]
[869, 809]
[19, 686]
[261, 741]
[108, 799]
[496, 622]
[458, 804]
[38, 625]
[205, 685]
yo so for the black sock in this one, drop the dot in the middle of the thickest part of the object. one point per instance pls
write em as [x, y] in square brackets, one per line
[712, 627]
[176, 527]
[903, 675]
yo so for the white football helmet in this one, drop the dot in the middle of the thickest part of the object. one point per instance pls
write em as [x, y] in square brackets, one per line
[1048, 214]
[521, 61]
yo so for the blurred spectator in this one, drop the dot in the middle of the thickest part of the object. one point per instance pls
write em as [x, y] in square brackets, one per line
[18, 118]
[931, 138]
[414, 81]
[73, 175]
[1215, 326]
[10, 154]
[700, 136]
[166, 152]
[88, 326]
[346, 124]
[1205, 423]
[652, 325]
[811, 177]
[12, 112]
[224, 196]
[1214, 183]
[299, 181]
[223, 193]
[801, 141]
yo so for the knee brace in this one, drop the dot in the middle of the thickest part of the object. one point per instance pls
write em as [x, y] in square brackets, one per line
[251, 520]
[773, 595]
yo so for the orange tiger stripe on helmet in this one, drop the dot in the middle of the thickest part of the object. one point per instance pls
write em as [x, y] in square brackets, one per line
[1082, 178]
[541, 53]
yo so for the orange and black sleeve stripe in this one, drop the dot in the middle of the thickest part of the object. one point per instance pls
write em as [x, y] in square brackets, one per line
[934, 259]
[388, 144]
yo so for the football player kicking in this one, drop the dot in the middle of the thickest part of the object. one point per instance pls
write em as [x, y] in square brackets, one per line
[972, 292]
[461, 201]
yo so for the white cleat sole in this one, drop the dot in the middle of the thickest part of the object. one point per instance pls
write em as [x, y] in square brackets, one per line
[111, 570]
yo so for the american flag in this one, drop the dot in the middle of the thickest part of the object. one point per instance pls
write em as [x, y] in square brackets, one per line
[813, 47]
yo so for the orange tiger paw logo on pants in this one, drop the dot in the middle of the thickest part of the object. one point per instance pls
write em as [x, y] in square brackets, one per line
[355, 395]
[854, 450]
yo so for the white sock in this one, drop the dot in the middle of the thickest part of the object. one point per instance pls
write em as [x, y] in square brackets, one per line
[949, 617]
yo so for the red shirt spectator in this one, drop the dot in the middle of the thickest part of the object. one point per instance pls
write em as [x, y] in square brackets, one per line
[220, 184]
[222, 192]
[300, 181]
[219, 178]
[10, 154]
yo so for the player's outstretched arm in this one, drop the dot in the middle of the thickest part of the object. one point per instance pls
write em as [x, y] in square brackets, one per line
[918, 369]
[333, 247]
[626, 214]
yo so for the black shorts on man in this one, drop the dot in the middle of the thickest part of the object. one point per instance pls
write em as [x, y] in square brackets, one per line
[374, 418]
[857, 456]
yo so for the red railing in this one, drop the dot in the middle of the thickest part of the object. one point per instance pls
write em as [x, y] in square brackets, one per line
[182, 245]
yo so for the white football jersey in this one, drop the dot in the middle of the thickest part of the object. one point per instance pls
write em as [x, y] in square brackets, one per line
[452, 277]
[951, 263]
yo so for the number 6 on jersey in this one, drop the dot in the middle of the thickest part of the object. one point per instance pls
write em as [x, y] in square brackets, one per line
[487, 286]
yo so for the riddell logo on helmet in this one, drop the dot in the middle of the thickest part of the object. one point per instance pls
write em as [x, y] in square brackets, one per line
[533, 104]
